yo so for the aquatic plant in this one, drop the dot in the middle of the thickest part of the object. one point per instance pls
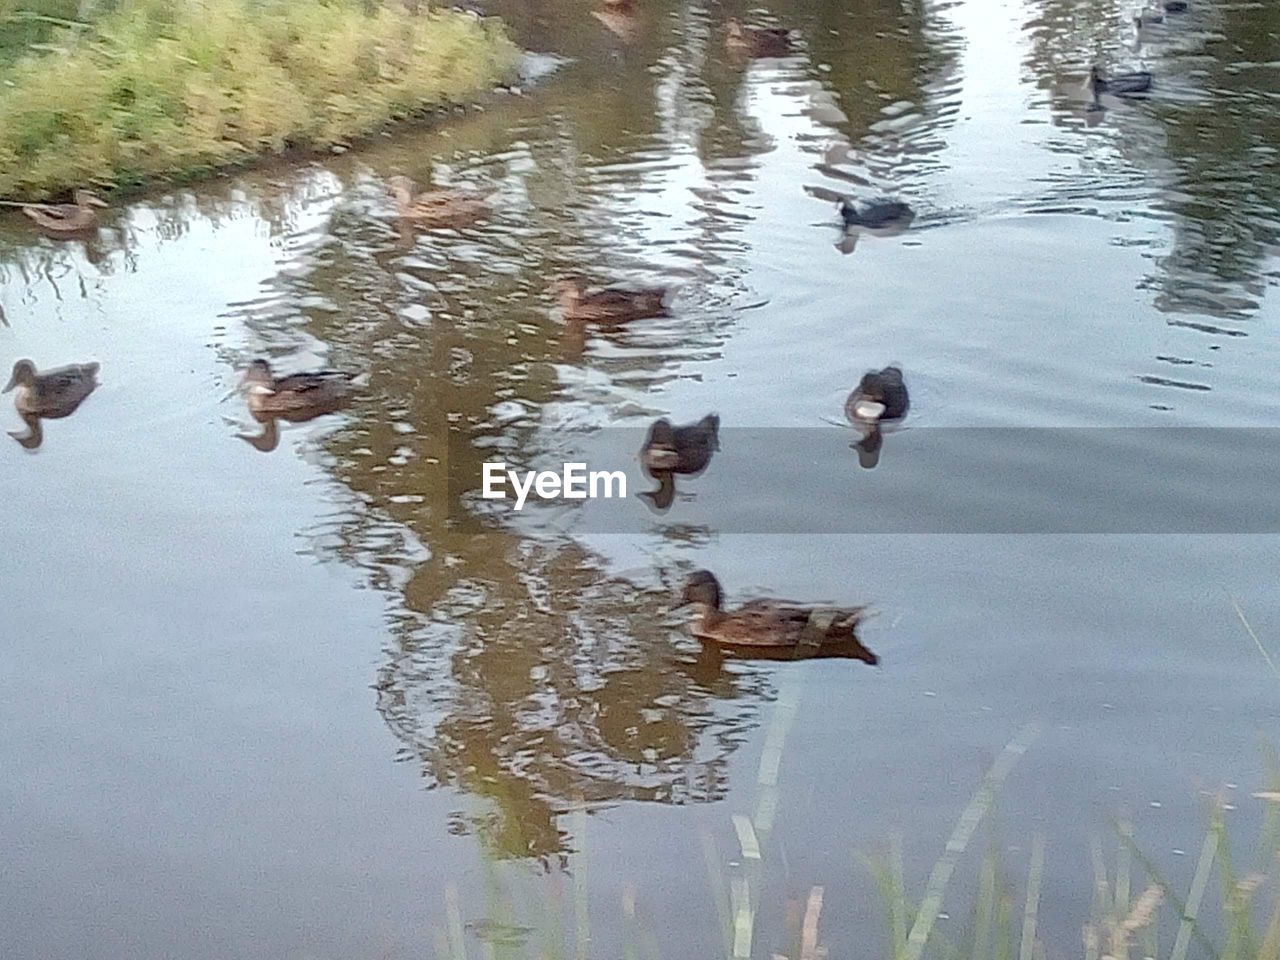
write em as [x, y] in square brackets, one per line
[160, 90]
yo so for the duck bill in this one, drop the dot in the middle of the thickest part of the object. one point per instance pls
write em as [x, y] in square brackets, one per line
[13, 382]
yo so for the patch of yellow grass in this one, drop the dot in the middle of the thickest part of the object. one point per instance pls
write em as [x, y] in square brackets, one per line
[161, 89]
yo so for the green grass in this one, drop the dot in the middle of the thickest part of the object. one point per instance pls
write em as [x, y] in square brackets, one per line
[1132, 905]
[1225, 912]
[173, 89]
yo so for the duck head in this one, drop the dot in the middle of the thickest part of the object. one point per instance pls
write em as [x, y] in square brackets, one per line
[258, 377]
[24, 375]
[703, 589]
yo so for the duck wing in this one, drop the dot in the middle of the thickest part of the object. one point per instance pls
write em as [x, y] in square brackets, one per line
[313, 381]
[617, 298]
[58, 392]
[774, 623]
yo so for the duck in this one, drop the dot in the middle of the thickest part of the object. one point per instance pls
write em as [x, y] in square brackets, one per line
[1119, 85]
[66, 219]
[297, 397]
[880, 395]
[436, 208]
[757, 41]
[53, 393]
[611, 305]
[874, 213]
[779, 626]
[1176, 6]
[686, 449]
[1148, 17]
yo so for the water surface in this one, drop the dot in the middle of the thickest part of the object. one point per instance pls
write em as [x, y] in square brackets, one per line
[275, 704]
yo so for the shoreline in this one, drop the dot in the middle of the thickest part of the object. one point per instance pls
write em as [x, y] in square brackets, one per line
[418, 69]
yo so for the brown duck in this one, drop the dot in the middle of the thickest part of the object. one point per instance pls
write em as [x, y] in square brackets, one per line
[53, 393]
[64, 220]
[297, 397]
[773, 628]
[612, 304]
[436, 208]
[756, 41]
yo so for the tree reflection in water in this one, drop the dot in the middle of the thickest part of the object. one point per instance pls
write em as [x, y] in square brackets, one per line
[537, 697]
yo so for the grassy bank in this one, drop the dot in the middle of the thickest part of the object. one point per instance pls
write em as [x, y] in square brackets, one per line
[158, 89]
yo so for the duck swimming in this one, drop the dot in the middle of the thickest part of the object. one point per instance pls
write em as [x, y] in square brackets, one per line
[757, 41]
[879, 212]
[297, 397]
[880, 395]
[686, 449]
[610, 305]
[53, 393]
[769, 625]
[65, 220]
[436, 208]
[1118, 85]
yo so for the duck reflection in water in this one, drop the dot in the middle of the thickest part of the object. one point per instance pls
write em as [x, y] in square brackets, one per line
[294, 398]
[878, 402]
[50, 395]
[772, 629]
[669, 450]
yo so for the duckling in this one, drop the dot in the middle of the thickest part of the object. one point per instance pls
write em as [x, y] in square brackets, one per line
[1119, 85]
[774, 625]
[685, 449]
[54, 393]
[875, 213]
[880, 395]
[611, 305]
[436, 208]
[757, 41]
[297, 397]
[65, 220]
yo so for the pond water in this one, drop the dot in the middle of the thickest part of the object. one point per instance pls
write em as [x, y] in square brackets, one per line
[288, 702]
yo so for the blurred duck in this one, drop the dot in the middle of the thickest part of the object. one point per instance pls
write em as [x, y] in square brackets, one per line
[1155, 13]
[1118, 85]
[297, 397]
[875, 213]
[64, 220]
[769, 625]
[610, 305]
[53, 393]
[686, 449]
[436, 208]
[757, 41]
[880, 395]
